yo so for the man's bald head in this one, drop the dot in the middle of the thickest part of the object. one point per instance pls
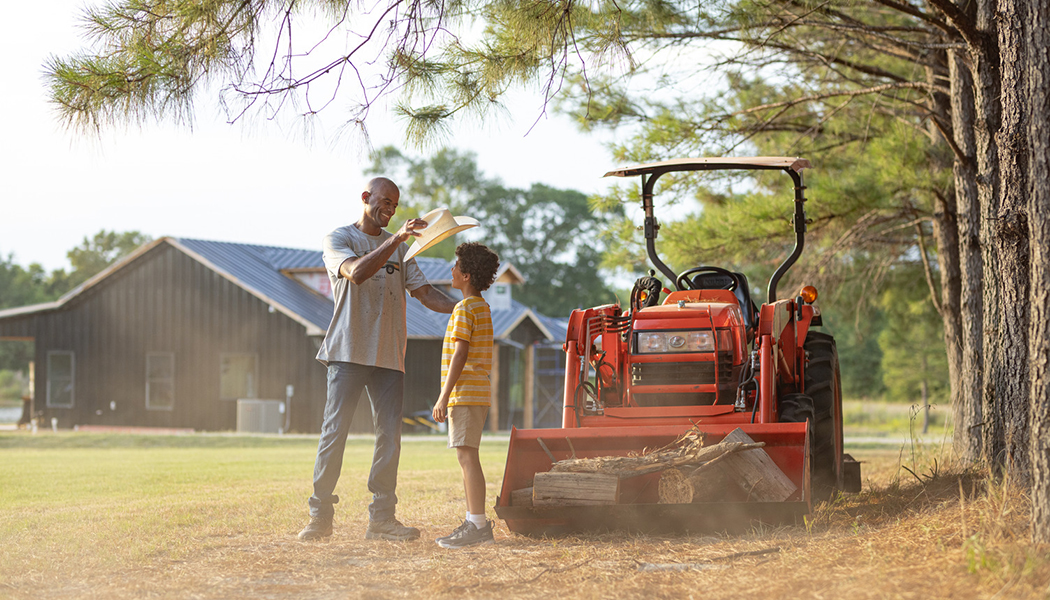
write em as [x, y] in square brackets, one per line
[380, 199]
[379, 185]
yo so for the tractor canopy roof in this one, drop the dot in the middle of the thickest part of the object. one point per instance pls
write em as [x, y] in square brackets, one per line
[713, 164]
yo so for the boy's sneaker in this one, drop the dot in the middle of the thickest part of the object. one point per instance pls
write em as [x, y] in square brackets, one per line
[391, 529]
[456, 531]
[317, 528]
[467, 534]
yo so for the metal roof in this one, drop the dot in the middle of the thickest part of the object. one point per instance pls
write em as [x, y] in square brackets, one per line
[258, 269]
[438, 271]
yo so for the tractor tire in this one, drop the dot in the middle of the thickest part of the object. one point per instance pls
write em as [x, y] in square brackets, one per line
[823, 386]
[795, 408]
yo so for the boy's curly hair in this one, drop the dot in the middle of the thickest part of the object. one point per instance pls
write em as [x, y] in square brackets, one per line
[479, 262]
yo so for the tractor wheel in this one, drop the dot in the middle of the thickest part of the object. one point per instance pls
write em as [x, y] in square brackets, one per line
[822, 385]
[795, 408]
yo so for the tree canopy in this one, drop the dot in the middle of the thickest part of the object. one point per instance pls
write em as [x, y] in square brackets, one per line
[549, 235]
[24, 286]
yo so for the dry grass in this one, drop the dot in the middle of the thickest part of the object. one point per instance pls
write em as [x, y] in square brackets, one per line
[927, 531]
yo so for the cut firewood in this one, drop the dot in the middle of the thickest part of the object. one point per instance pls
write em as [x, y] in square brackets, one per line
[674, 488]
[682, 486]
[688, 450]
[575, 489]
[522, 497]
[756, 473]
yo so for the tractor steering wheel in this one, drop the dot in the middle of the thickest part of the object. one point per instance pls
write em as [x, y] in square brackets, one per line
[684, 282]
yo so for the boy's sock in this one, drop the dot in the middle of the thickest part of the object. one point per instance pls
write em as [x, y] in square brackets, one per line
[479, 521]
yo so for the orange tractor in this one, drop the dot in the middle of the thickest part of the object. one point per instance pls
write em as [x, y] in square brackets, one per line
[705, 359]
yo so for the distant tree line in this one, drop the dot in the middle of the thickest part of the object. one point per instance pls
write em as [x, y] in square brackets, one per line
[23, 286]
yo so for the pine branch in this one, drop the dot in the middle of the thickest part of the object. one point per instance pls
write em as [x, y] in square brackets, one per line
[815, 97]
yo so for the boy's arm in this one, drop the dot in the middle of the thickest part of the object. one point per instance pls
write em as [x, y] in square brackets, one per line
[455, 369]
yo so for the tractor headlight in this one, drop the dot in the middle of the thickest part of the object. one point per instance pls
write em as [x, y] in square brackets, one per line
[654, 342]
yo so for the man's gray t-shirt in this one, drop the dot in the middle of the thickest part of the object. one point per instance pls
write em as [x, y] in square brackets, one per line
[368, 324]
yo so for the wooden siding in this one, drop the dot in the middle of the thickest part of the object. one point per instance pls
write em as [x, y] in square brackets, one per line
[422, 375]
[166, 301]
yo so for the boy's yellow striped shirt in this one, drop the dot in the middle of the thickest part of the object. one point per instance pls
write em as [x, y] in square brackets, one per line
[471, 321]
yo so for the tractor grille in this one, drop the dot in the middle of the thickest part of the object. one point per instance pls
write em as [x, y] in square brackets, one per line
[686, 373]
[681, 373]
[675, 399]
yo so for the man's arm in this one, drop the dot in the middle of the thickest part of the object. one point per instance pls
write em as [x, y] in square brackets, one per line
[359, 270]
[434, 299]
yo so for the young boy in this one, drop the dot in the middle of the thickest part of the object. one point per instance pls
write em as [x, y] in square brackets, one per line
[466, 359]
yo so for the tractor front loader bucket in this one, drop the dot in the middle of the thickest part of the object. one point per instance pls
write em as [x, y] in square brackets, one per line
[638, 506]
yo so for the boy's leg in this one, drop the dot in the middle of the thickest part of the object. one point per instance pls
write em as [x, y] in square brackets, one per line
[465, 426]
[473, 479]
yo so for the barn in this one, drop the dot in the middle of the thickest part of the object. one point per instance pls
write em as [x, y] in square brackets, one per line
[203, 335]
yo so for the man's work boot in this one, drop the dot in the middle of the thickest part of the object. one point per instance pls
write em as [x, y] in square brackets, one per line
[391, 529]
[317, 528]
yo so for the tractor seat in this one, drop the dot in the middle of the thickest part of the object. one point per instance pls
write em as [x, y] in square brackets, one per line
[717, 281]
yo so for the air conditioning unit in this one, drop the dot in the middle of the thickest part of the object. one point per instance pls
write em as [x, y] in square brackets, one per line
[260, 416]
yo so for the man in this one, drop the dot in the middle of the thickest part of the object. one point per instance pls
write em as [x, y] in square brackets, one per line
[365, 346]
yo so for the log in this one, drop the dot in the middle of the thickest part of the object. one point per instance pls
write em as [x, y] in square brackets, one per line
[575, 489]
[674, 488]
[713, 485]
[756, 473]
[680, 486]
[522, 497]
[684, 452]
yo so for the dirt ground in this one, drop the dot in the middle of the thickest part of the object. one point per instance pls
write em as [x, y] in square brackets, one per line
[927, 536]
[920, 540]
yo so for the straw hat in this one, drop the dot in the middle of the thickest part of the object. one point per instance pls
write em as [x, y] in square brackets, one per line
[440, 225]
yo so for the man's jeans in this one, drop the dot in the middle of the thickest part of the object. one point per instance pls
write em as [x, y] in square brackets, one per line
[386, 389]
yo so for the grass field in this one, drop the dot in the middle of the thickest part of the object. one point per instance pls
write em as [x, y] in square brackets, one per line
[215, 516]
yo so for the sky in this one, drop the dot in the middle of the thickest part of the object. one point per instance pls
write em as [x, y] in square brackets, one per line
[222, 182]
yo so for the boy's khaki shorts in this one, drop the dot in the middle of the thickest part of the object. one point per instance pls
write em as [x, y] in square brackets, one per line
[465, 424]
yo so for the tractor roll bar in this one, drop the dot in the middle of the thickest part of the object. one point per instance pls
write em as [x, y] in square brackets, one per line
[650, 172]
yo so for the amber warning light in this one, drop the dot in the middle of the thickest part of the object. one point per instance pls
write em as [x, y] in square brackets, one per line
[808, 294]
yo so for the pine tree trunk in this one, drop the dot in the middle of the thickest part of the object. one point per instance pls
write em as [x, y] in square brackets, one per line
[984, 54]
[1038, 60]
[946, 236]
[1011, 238]
[924, 387]
[966, 392]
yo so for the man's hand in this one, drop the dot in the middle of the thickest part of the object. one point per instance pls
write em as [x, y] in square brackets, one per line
[411, 228]
[441, 410]
[360, 270]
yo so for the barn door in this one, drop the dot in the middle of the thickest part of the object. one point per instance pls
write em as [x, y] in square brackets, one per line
[548, 385]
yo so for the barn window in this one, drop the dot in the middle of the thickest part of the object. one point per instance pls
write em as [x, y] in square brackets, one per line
[238, 376]
[160, 381]
[60, 375]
